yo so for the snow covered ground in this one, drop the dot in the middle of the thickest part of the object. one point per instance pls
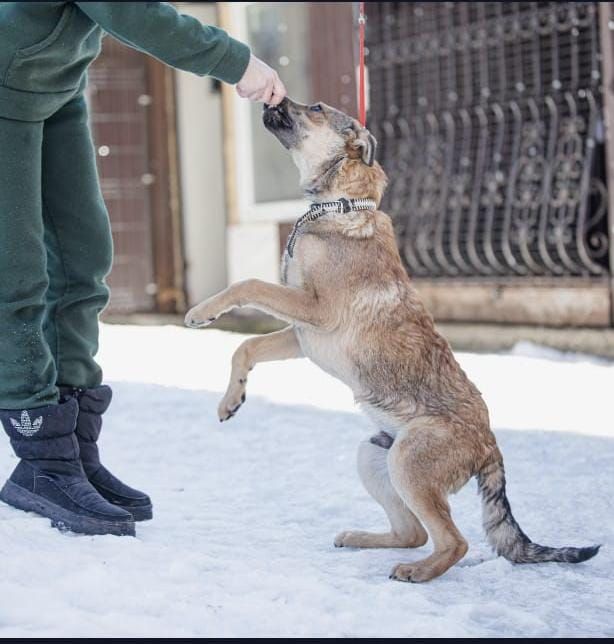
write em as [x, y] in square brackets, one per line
[246, 512]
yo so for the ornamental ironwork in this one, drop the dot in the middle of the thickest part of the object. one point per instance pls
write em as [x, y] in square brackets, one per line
[489, 120]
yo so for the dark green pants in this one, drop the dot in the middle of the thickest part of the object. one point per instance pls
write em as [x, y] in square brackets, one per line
[56, 250]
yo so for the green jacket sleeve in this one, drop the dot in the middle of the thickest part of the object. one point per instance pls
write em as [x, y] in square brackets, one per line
[180, 41]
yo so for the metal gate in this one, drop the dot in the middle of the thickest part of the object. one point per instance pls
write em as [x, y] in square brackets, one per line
[490, 121]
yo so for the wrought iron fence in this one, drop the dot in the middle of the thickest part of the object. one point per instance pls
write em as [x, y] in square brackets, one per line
[489, 122]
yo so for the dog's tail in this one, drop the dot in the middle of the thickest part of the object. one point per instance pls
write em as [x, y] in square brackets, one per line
[503, 532]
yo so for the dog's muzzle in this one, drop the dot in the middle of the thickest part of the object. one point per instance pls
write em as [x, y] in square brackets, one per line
[276, 116]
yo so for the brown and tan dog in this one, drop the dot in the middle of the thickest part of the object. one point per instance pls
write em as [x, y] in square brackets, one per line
[353, 311]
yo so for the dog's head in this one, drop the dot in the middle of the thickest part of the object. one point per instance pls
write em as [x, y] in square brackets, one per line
[319, 137]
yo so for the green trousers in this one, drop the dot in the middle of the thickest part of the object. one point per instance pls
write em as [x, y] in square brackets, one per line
[55, 252]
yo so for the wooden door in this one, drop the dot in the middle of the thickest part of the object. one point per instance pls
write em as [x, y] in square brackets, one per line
[131, 100]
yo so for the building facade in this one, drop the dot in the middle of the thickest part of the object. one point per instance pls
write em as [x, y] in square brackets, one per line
[492, 122]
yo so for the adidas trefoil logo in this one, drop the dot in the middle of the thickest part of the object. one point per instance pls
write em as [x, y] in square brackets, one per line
[26, 427]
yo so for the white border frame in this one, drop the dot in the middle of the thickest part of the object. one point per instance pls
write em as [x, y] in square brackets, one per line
[248, 211]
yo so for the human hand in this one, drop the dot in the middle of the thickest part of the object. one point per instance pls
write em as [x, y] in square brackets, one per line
[261, 83]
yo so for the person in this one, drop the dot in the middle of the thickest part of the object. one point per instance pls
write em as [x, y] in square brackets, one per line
[57, 245]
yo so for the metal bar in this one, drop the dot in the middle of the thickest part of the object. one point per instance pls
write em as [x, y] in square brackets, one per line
[606, 32]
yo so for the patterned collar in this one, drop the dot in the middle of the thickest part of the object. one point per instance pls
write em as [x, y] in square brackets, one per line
[317, 210]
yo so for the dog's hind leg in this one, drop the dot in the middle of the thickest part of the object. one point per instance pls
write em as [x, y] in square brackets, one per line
[281, 345]
[424, 464]
[406, 531]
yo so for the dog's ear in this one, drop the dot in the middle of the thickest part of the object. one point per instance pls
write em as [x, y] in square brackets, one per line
[364, 142]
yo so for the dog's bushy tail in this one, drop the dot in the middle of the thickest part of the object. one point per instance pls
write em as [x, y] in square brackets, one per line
[503, 532]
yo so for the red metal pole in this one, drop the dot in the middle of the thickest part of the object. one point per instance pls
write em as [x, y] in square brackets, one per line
[362, 99]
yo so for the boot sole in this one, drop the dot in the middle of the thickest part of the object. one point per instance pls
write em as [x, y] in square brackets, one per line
[139, 513]
[61, 518]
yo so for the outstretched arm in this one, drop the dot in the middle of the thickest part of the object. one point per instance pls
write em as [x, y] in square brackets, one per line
[178, 40]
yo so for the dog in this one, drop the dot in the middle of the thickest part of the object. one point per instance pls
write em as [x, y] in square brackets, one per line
[353, 311]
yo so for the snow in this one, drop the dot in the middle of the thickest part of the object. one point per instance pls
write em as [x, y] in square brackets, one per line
[246, 511]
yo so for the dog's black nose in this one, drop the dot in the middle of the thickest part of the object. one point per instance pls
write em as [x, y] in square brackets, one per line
[277, 117]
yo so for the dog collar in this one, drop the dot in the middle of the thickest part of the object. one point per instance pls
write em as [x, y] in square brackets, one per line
[316, 210]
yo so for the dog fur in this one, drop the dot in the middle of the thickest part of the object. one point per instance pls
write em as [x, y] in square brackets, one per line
[352, 310]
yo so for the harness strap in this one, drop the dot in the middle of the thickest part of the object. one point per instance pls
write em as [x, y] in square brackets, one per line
[317, 210]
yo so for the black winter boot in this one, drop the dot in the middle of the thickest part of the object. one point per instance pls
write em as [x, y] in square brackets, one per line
[92, 404]
[49, 479]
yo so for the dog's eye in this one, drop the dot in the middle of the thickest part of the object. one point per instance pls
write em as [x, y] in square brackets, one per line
[315, 108]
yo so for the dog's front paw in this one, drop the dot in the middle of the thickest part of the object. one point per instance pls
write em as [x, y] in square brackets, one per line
[345, 539]
[231, 402]
[414, 573]
[203, 314]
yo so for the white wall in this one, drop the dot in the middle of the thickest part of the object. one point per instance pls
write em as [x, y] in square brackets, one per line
[253, 251]
[199, 116]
